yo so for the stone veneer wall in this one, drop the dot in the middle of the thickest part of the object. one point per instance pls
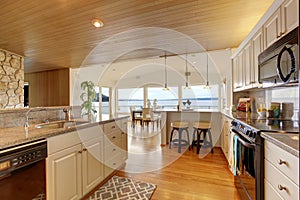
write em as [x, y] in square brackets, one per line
[11, 80]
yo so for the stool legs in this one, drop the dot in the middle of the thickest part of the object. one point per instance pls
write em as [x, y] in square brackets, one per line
[171, 137]
[205, 141]
[180, 130]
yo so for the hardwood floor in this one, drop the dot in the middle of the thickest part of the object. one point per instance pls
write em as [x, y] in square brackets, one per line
[177, 176]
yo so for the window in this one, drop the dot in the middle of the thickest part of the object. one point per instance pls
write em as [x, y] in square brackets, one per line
[200, 97]
[130, 97]
[105, 100]
[166, 99]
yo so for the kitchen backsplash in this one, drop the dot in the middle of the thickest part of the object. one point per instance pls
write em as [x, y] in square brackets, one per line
[16, 117]
[266, 96]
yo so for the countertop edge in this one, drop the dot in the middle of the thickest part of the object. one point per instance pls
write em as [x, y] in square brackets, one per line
[49, 132]
[281, 144]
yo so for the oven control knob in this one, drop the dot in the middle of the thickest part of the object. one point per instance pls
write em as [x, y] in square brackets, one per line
[233, 123]
[252, 134]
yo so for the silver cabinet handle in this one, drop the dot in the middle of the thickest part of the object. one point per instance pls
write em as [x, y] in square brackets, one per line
[281, 162]
[280, 187]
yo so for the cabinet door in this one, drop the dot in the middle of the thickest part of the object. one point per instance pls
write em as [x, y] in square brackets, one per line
[247, 53]
[241, 70]
[92, 167]
[290, 15]
[64, 174]
[272, 28]
[238, 72]
[235, 72]
[257, 46]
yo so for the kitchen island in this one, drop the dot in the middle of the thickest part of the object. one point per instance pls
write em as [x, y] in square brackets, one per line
[213, 116]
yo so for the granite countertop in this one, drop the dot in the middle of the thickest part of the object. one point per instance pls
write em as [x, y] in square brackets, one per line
[18, 135]
[280, 135]
[286, 141]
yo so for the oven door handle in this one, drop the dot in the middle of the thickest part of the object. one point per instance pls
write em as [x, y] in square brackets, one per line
[246, 144]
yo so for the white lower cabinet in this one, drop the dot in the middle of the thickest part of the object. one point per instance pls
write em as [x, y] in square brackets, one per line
[78, 161]
[115, 146]
[225, 139]
[92, 166]
[64, 174]
[281, 173]
[75, 171]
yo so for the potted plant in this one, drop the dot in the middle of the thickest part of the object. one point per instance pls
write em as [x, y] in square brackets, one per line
[87, 96]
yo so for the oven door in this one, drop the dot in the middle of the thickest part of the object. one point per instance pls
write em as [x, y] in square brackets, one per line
[245, 168]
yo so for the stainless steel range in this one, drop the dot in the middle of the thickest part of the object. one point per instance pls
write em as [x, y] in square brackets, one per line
[249, 155]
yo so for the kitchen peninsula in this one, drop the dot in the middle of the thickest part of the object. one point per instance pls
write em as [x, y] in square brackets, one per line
[167, 116]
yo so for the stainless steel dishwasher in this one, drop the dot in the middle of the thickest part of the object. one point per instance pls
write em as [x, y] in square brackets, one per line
[22, 171]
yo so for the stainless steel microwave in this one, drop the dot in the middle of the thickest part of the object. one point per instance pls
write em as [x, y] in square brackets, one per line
[278, 64]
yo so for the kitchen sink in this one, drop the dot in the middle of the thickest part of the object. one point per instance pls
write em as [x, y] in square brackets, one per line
[61, 124]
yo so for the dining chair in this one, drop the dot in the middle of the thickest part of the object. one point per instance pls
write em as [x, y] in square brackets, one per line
[134, 117]
[148, 116]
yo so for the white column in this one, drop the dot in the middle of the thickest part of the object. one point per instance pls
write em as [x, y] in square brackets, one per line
[180, 96]
[100, 103]
[145, 96]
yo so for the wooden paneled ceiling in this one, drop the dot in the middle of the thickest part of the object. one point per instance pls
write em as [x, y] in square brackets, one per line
[58, 33]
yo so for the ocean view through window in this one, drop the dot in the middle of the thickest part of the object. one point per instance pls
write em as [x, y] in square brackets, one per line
[199, 97]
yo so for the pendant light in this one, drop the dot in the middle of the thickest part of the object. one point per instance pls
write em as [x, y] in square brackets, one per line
[207, 83]
[187, 74]
[166, 76]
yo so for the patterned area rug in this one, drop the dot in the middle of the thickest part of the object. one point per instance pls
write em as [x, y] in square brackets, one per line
[120, 188]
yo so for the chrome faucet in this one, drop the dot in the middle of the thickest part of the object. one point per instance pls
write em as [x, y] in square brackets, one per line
[26, 124]
[67, 112]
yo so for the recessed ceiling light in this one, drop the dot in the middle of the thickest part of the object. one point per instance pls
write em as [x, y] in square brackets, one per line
[97, 23]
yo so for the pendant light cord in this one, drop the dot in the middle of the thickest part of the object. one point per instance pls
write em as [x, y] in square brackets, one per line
[166, 77]
[186, 72]
[207, 83]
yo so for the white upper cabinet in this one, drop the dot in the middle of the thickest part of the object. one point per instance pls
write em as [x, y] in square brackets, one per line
[280, 20]
[285, 19]
[248, 64]
[257, 48]
[272, 28]
[238, 71]
[290, 16]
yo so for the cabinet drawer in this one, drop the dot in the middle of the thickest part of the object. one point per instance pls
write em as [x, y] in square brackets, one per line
[63, 141]
[110, 126]
[112, 137]
[112, 150]
[270, 192]
[113, 164]
[290, 168]
[278, 179]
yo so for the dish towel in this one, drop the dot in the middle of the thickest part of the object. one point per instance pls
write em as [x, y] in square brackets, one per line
[230, 152]
[236, 154]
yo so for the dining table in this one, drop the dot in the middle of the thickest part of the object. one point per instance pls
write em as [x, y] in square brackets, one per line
[139, 113]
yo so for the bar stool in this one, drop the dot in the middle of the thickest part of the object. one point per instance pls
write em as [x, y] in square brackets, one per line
[199, 128]
[180, 126]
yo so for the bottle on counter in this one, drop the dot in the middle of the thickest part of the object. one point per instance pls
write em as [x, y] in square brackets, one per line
[248, 106]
